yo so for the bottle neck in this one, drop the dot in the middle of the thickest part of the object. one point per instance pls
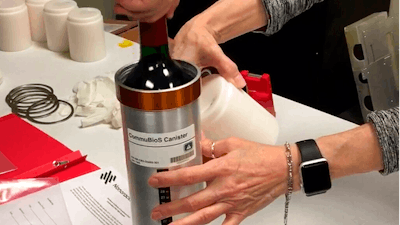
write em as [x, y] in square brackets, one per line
[154, 38]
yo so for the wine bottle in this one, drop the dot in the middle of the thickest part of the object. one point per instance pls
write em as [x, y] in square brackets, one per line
[155, 69]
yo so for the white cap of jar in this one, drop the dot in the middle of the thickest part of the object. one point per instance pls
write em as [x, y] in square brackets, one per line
[35, 11]
[86, 35]
[14, 13]
[55, 21]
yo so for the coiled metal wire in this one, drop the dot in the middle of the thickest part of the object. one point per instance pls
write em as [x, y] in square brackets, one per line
[35, 101]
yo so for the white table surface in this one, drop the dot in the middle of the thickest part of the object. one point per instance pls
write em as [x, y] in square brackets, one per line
[367, 199]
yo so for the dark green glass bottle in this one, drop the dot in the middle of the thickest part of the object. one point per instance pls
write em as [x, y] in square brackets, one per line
[155, 69]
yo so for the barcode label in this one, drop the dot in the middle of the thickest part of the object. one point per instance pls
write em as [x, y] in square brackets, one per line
[182, 157]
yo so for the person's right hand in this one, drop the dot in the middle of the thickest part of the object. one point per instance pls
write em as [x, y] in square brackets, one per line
[244, 178]
[146, 10]
[197, 44]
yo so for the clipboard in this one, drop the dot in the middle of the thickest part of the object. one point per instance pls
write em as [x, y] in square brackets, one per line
[36, 154]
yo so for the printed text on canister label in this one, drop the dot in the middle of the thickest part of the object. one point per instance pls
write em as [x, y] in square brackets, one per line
[162, 150]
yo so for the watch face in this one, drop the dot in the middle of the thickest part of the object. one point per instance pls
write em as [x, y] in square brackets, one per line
[316, 178]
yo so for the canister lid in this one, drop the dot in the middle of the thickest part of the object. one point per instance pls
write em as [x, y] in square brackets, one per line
[37, 2]
[60, 6]
[9, 6]
[84, 15]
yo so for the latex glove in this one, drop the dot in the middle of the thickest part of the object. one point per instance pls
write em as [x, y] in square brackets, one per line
[95, 101]
[116, 117]
[86, 92]
[196, 43]
[245, 178]
[146, 10]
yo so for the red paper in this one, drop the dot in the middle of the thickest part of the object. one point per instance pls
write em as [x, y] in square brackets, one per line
[28, 147]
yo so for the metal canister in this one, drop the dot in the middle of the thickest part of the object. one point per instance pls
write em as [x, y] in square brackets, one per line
[161, 132]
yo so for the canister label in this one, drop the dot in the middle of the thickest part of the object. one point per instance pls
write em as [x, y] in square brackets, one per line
[162, 150]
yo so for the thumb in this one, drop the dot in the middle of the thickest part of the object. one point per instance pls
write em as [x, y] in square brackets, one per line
[171, 45]
[227, 68]
[171, 11]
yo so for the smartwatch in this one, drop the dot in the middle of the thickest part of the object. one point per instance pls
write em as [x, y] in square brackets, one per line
[314, 169]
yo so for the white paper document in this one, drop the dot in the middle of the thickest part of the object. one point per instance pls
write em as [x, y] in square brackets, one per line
[98, 198]
[45, 207]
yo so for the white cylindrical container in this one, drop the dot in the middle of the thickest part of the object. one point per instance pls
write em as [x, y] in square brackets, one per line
[35, 11]
[55, 20]
[15, 34]
[227, 111]
[86, 35]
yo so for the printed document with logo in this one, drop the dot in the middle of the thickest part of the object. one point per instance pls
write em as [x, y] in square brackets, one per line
[98, 198]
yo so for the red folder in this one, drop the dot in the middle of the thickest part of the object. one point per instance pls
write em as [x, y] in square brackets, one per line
[36, 154]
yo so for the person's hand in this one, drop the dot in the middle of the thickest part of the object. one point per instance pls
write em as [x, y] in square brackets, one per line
[246, 177]
[146, 10]
[197, 44]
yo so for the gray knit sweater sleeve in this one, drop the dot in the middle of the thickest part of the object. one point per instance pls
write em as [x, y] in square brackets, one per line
[281, 11]
[386, 123]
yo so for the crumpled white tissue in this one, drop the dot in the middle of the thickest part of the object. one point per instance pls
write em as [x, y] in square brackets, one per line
[95, 101]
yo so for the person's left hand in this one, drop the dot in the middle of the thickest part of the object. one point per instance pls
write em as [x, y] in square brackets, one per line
[196, 43]
[246, 177]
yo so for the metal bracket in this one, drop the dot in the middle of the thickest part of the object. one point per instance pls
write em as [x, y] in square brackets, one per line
[384, 94]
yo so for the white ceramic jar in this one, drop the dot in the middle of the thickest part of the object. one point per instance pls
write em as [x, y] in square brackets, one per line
[14, 14]
[227, 111]
[86, 35]
[55, 20]
[35, 11]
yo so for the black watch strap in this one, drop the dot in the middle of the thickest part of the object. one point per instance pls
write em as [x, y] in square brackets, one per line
[308, 150]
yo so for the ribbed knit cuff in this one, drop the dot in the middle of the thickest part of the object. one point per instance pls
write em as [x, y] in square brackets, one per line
[281, 11]
[386, 123]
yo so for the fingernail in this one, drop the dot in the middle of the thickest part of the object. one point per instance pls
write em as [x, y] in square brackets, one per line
[156, 215]
[239, 81]
[153, 181]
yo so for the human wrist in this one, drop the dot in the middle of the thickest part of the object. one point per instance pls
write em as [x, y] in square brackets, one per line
[330, 146]
[204, 21]
[296, 161]
[352, 152]
[227, 19]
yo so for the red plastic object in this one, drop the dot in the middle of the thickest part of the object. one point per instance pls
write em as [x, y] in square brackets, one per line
[28, 148]
[259, 88]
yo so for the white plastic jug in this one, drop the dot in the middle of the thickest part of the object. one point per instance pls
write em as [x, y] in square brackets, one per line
[227, 111]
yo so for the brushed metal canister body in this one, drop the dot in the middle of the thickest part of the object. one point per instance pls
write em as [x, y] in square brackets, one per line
[143, 121]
